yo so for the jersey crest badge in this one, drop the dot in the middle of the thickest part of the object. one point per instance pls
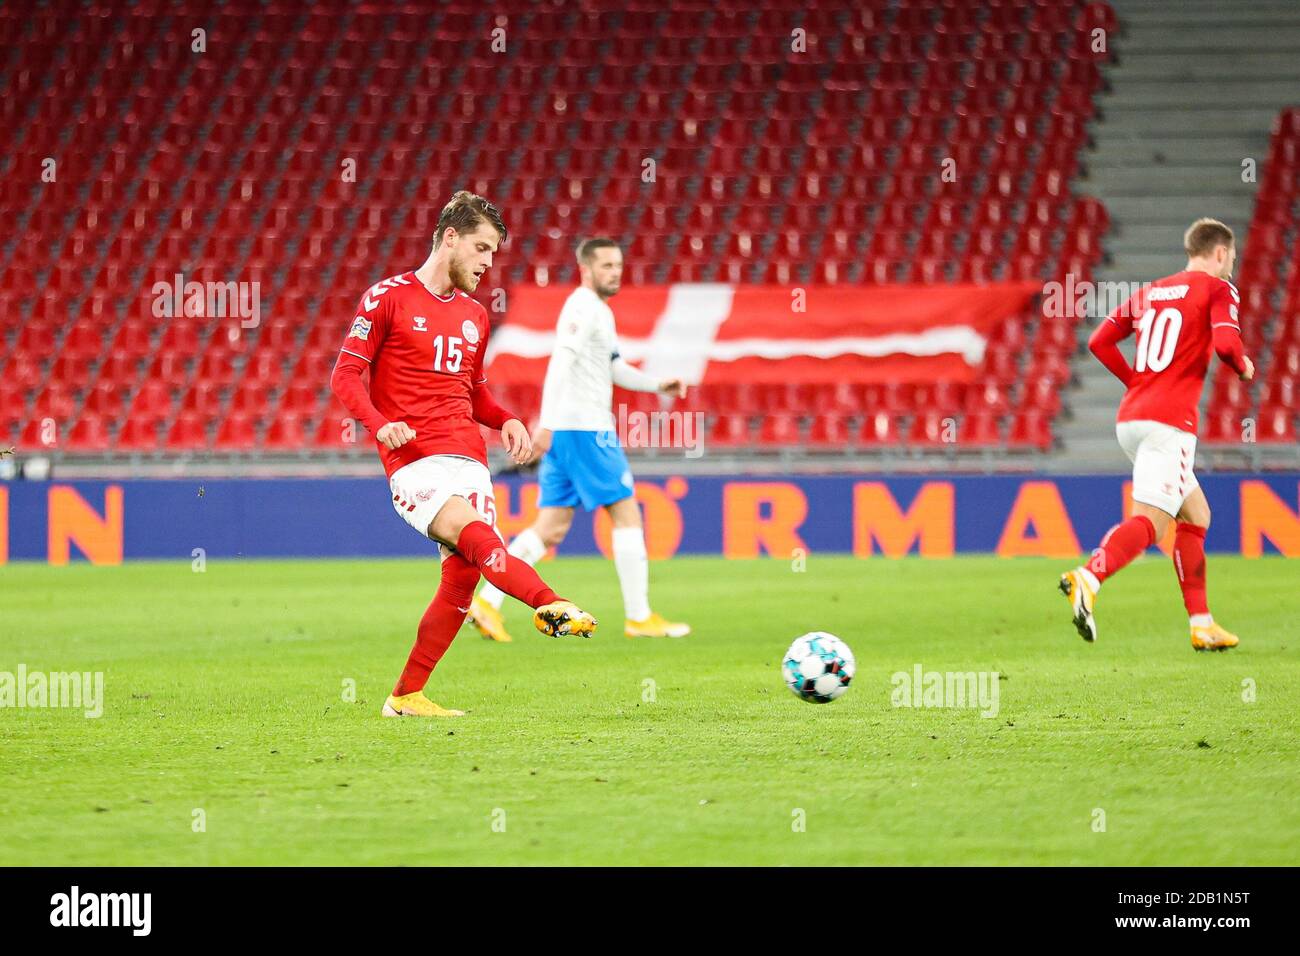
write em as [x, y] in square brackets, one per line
[470, 331]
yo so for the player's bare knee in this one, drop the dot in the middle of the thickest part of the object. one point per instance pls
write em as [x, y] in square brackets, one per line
[552, 526]
[553, 533]
[625, 513]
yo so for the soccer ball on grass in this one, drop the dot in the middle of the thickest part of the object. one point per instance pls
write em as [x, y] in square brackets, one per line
[818, 667]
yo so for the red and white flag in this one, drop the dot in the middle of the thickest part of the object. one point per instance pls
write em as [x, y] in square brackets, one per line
[716, 333]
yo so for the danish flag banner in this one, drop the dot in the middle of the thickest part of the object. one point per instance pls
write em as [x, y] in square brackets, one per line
[721, 333]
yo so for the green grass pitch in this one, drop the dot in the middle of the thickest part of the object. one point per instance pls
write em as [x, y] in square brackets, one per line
[225, 694]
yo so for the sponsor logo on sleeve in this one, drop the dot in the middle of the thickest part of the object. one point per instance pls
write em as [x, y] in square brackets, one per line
[360, 328]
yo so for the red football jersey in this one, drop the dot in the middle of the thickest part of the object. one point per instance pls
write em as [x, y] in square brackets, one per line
[426, 356]
[1175, 318]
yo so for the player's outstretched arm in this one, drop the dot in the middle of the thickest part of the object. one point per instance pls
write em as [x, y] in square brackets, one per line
[634, 380]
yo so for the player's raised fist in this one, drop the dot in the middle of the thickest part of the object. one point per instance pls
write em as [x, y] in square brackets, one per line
[395, 435]
[673, 386]
[1247, 375]
[514, 436]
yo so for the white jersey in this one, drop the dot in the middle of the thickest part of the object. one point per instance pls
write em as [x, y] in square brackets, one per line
[585, 366]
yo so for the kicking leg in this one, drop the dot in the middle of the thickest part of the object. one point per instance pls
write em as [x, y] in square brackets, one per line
[529, 546]
[458, 525]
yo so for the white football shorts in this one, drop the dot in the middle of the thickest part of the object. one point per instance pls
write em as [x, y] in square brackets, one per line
[421, 488]
[1162, 458]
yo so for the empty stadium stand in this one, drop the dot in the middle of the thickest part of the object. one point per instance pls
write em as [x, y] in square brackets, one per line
[1192, 122]
[1265, 411]
[882, 141]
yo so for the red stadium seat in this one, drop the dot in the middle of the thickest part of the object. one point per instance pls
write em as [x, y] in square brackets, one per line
[932, 428]
[979, 430]
[90, 434]
[1277, 426]
[138, 435]
[188, 433]
[1223, 426]
[879, 428]
[779, 430]
[729, 431]
[1030, 430]
[285, 434]
[333, 431]
[236, 433]
[829, 431]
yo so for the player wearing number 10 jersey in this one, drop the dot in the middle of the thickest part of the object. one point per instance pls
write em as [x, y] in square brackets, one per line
[1179, 320]
[422, 338]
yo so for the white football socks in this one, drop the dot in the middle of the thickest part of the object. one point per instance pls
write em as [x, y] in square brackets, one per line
[527, 547]
[1201, 620]
[633, 572]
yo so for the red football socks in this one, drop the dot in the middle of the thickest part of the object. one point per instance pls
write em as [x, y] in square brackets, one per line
[482, 548]
[1124, 543]
[441, 621]
[1189, 562]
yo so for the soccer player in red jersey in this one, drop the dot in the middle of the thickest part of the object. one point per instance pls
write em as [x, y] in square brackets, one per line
[1179, 320]
[423, 338]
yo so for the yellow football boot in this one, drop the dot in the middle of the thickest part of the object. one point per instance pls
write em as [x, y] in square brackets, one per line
[561, 618]
[488, 620]
[655, 626]
[1082, 598]
[416, 705]
[1212, 638]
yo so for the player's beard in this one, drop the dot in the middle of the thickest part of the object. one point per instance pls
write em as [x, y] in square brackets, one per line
[607, 291]
[461, 277]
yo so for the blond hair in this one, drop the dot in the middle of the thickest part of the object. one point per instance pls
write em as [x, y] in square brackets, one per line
[1204, 234]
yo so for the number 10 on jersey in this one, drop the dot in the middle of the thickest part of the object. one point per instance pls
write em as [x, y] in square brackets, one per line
[1157, 339]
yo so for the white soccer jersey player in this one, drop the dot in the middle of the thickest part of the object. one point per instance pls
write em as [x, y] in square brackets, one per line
[585, 367]
[584, 463]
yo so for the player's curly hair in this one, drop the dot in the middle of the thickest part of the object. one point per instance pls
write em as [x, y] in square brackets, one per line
[1204, 234]
[465, 213]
